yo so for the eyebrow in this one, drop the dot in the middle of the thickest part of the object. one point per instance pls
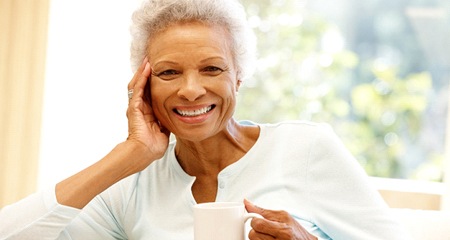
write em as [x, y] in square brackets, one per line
[201, 61]
[165, 62]
[213, 58]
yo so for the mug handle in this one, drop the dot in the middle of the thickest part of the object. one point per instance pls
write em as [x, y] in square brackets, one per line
[247, 216]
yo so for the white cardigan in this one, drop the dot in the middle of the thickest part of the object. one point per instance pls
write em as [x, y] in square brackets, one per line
[299, 167]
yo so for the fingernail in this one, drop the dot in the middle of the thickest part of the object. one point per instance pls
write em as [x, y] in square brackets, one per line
[248, 201]
[147, 66]
[145, 60]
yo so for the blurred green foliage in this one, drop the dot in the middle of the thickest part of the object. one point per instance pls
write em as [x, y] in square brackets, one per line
[305, 72]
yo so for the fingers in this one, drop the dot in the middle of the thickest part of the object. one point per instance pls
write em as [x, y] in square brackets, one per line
[137, 84]
[273, 215]
[142, 79]
[253, 235]
[272, 228]
[138, 72]
[137, 105]
[252, 208]
[275, 225]
[277, 230]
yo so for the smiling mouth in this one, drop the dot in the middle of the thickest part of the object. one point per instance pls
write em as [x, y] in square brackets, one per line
[194, 113]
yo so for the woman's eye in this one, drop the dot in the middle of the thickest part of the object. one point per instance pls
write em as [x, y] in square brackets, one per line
[167, 74]
[212, 70]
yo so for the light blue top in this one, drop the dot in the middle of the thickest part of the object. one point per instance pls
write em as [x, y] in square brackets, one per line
[299, 167]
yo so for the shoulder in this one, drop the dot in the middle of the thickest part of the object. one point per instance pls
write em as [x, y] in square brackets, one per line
[295, 130]
[309, 139]
[297, 124]
[318, 140]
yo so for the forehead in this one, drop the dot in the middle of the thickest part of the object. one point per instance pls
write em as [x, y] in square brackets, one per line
[190, 38]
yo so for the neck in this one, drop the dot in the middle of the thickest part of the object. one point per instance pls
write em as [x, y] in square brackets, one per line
[210, 156]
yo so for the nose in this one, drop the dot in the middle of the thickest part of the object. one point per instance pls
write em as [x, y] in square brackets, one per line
[191, 87]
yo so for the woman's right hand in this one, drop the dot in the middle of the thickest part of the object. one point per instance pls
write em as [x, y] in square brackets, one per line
[143, 127]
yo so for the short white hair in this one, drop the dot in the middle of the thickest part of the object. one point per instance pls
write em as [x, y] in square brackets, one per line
[156, 15]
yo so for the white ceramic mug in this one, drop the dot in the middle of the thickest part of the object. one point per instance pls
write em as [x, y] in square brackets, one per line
[220, 221]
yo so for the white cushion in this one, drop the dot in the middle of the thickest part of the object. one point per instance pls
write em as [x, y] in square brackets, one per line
[425, 224]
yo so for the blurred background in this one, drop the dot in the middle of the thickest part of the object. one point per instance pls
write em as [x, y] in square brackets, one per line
[377, 71]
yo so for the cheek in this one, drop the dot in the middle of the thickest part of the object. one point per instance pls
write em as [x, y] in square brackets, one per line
[158, 96]
[228, 91]
[159, 88]
[228, 95]
[225, 86]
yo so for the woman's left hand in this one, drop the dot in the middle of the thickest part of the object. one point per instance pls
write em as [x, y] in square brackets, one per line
[275, 225]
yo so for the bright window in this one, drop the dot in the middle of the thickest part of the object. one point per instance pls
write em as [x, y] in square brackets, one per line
[88, 70]
[377, 71]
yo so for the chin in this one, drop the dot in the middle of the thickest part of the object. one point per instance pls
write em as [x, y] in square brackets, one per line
[193, 135]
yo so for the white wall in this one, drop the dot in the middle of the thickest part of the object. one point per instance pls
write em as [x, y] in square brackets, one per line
[86, 84]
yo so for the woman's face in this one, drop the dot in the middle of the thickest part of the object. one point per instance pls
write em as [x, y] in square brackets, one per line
[194, 80]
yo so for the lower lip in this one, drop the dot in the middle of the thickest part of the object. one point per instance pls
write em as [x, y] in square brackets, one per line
[196, 119]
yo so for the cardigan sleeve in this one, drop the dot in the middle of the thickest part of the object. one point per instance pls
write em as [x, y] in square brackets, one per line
[343, 201]
[39, 216]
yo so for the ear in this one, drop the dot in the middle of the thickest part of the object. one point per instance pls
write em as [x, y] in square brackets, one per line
[238, 85]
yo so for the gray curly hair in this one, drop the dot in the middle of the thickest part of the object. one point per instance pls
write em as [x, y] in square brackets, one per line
[156, 15]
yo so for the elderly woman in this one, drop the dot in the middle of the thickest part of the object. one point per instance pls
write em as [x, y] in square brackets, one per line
[190, 58]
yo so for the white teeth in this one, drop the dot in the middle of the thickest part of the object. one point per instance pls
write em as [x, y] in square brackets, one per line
[193, 113]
